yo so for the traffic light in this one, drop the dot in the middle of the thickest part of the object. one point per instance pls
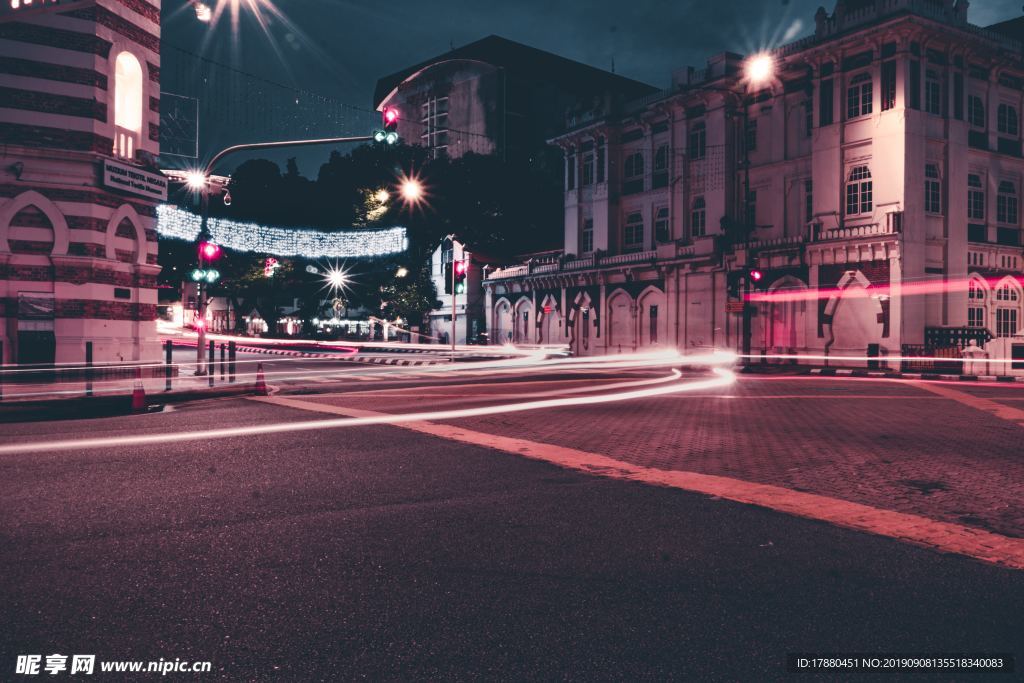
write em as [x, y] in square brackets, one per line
[208, 252]
[461, 269]
[207, 275]
[389, 133]
[756, 276]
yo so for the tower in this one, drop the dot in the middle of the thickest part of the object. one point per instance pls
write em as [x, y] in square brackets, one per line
[79, 184]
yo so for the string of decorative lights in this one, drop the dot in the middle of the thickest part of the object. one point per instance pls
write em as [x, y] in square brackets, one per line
[177, 223]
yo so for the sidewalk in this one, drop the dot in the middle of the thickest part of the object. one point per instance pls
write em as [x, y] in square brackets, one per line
[756, 368]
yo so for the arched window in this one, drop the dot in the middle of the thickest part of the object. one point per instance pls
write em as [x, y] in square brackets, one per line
[1006, 120]
[1007, 299]
[127, 104]
[859, 191]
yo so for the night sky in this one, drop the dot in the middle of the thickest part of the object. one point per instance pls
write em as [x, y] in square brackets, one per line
[340, 48]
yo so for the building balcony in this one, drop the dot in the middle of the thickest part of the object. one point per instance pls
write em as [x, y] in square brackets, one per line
[892, 225]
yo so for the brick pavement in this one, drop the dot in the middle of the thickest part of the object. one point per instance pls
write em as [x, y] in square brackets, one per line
[885, 444]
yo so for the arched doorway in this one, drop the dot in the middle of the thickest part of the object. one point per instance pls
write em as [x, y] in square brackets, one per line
[551, 322]
[855, 316]
[31, 235]
[621, 337]
[785, 317]
[503, 331]
[653, 318]
[522, 322]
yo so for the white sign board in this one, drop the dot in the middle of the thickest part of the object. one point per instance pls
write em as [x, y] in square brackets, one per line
[127, 178]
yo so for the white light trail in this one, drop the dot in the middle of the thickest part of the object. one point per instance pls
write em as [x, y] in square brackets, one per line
[723, 377]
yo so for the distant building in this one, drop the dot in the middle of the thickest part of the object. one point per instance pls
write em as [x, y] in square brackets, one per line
[470, 318]
[494, 96]
[79, 130]
[883, 216]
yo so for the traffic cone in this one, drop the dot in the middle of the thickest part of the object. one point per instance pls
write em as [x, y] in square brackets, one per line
[138, 393]
[261, 383]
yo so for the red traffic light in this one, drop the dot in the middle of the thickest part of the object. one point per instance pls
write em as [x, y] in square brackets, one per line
[390, 119]
[756, 275]
[460, 267]
[209, 251]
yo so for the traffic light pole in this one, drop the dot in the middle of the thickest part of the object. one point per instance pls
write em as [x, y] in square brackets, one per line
[201, 290]
[455, 296]
[204, 234]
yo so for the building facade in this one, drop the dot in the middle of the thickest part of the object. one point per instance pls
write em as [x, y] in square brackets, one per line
[494, 96]
[79, 125]
[873, 183]
[470, 313]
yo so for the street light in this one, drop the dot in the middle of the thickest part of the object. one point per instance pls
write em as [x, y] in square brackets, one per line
[196, 180]
[411, 190]
[760, 69]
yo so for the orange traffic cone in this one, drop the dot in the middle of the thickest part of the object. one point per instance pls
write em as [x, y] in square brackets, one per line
[261, 383]
[138, 393]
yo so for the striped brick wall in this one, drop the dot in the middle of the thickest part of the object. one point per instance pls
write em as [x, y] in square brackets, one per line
[61, 232]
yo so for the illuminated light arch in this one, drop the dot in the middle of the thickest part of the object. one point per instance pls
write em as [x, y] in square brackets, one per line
[177, 223]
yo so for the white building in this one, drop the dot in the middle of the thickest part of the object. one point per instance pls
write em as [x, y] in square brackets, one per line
[885, 174]
[470, 313]
[79, 133]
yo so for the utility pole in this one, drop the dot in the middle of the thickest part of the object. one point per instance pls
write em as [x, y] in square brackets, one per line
[454, 299]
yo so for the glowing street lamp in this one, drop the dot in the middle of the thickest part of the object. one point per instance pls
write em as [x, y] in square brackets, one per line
[203, 12]
[382, 196]
[335, 278]
[760, 69]
[196, 180]
[411, 189]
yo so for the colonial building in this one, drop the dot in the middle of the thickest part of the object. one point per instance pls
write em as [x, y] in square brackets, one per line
[864, 183]
[79, 129]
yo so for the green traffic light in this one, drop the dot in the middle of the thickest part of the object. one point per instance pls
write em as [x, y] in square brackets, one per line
[379, 135]
[391, 137]
[198, 274]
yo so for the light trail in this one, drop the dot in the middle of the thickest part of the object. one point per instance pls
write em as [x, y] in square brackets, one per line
[906, 288]
[722, 377]
[864, 359]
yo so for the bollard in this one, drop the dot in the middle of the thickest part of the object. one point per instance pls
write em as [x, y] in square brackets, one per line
[211, 368]
[232, 351]
[88, 368]
[261, 382]
[168, 352]
[138, 393]
[222, 361]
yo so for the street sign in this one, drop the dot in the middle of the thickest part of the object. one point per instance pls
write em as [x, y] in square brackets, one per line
[733, 306]
[135, 180]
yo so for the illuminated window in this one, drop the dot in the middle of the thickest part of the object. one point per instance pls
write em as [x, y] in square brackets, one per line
[127, 104]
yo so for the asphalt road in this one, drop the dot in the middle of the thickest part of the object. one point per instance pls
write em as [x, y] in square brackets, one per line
[375, 552]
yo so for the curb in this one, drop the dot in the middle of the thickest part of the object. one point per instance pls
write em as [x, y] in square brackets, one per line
[850, 372]
[107, 406]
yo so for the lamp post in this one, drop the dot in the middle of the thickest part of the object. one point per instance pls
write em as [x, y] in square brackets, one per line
[759, 70]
